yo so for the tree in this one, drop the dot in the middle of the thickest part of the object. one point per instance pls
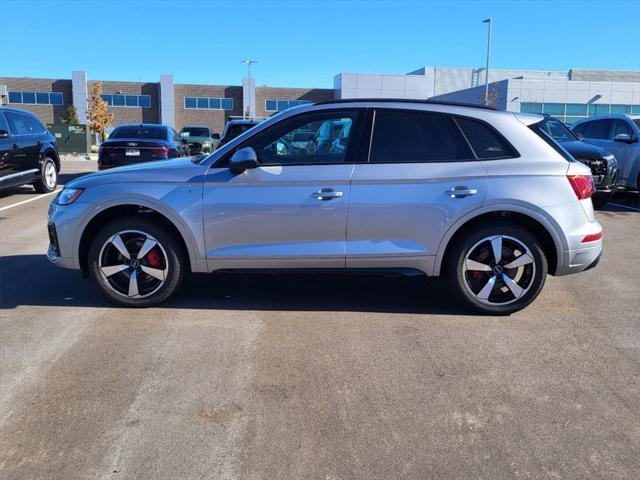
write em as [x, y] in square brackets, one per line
[492, 98]
[99, 115]
[72, 116]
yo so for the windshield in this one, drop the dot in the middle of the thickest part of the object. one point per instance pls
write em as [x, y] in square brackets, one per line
[557, 130]
[194, 132]
[139, 131]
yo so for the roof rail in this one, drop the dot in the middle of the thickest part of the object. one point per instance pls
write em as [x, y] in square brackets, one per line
[407, 100]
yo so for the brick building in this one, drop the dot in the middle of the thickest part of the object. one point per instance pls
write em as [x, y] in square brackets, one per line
[155, 102]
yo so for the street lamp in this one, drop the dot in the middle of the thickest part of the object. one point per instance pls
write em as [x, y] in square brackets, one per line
[486, 78]
[249, 62]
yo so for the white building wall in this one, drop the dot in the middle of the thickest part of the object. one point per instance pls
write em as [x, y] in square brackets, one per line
[371, 85]
[167, 104]
[567, 91]
[79, 95]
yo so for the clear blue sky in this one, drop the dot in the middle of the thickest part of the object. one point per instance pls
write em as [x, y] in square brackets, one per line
[305, 43]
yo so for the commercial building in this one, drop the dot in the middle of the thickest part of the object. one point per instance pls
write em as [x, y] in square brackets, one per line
[566, 95]
[164, 102]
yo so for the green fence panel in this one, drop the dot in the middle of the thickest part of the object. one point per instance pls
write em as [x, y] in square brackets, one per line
[71, 138]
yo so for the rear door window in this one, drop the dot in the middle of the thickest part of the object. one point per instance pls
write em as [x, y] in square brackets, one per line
[487, 144]
[598, 129]
[23, 124]
[401, 136]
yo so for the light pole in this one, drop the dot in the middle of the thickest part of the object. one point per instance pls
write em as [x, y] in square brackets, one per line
[486, 78]
[249, 62]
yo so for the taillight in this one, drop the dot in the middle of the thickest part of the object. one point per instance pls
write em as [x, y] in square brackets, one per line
[592, 237]
[582, 185]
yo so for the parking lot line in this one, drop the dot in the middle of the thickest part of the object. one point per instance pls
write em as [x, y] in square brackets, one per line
[29, 200]
[625, 206]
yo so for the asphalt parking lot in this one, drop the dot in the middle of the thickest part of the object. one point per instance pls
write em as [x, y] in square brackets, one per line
[284, 377]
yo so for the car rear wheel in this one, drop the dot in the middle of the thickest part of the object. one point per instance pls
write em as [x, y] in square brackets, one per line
[136, 262]
[497, 269]
[48, 180]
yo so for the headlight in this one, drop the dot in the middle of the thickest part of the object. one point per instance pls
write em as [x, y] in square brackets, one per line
[206, 144]
[69, 195]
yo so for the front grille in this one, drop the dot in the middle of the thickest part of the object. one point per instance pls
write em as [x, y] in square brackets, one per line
[53, 237]
[598, 167]
[195, 146]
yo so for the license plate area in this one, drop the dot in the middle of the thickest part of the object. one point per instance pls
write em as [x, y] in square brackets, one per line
[132, 152]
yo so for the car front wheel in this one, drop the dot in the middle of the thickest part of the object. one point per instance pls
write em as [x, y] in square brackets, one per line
[136, 262]
[497, 269]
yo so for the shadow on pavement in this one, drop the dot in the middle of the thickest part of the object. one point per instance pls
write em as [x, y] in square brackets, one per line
[32, 280]
[27, 189]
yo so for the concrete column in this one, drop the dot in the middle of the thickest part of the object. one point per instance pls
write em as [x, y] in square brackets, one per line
[167, 101]
[249, 97]
[80, 95]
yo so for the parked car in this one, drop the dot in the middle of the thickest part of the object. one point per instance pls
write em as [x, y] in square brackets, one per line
[200, 139]
[618, 134]
[481, 196]
[129, 144]
[234, 128]
[28, 152]
[603, 165]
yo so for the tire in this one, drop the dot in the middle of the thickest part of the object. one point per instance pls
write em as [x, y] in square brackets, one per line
[159, 272]
[48, 180]
[600, 199]
[489, 287]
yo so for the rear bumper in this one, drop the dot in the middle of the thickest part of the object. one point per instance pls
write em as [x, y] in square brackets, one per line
[576, 261]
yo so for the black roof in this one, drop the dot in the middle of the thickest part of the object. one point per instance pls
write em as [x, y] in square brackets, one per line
[407, 100]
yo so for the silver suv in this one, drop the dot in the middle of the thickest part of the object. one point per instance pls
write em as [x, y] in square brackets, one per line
[485, 197]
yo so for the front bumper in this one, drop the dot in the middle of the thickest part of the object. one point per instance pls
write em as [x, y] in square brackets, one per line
[62, 225]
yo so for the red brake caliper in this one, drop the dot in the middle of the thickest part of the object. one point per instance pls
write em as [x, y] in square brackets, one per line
[153, 259]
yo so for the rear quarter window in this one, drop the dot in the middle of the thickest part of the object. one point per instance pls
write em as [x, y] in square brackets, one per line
[487, 144]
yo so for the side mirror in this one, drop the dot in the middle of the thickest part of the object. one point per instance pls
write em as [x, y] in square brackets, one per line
[4, 134]
[623, 137]
[580, 137]
[183, 140]
[242, 160]
[216, 136]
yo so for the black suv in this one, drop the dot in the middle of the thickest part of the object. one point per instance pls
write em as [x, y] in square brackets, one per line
[28, 152]
[603, 165]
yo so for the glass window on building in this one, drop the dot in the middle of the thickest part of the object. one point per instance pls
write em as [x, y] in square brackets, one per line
[56, 98]
[15, 97]
[28, 97]
[527, 107]
[131, 100]
[577, 109]
[190, 102]
[42, 98]
[271, 105]
[598, 109]
[214, 103]
[203, 103]
[227, 103]
[144, 101]
[620, 109]
[553, 109]
[118, 101]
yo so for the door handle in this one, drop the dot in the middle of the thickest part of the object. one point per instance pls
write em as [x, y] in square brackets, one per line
[461, 192]
[326, 194]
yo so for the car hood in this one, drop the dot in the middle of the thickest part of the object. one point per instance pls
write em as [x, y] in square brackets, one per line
[580, 149]
[177, 170]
